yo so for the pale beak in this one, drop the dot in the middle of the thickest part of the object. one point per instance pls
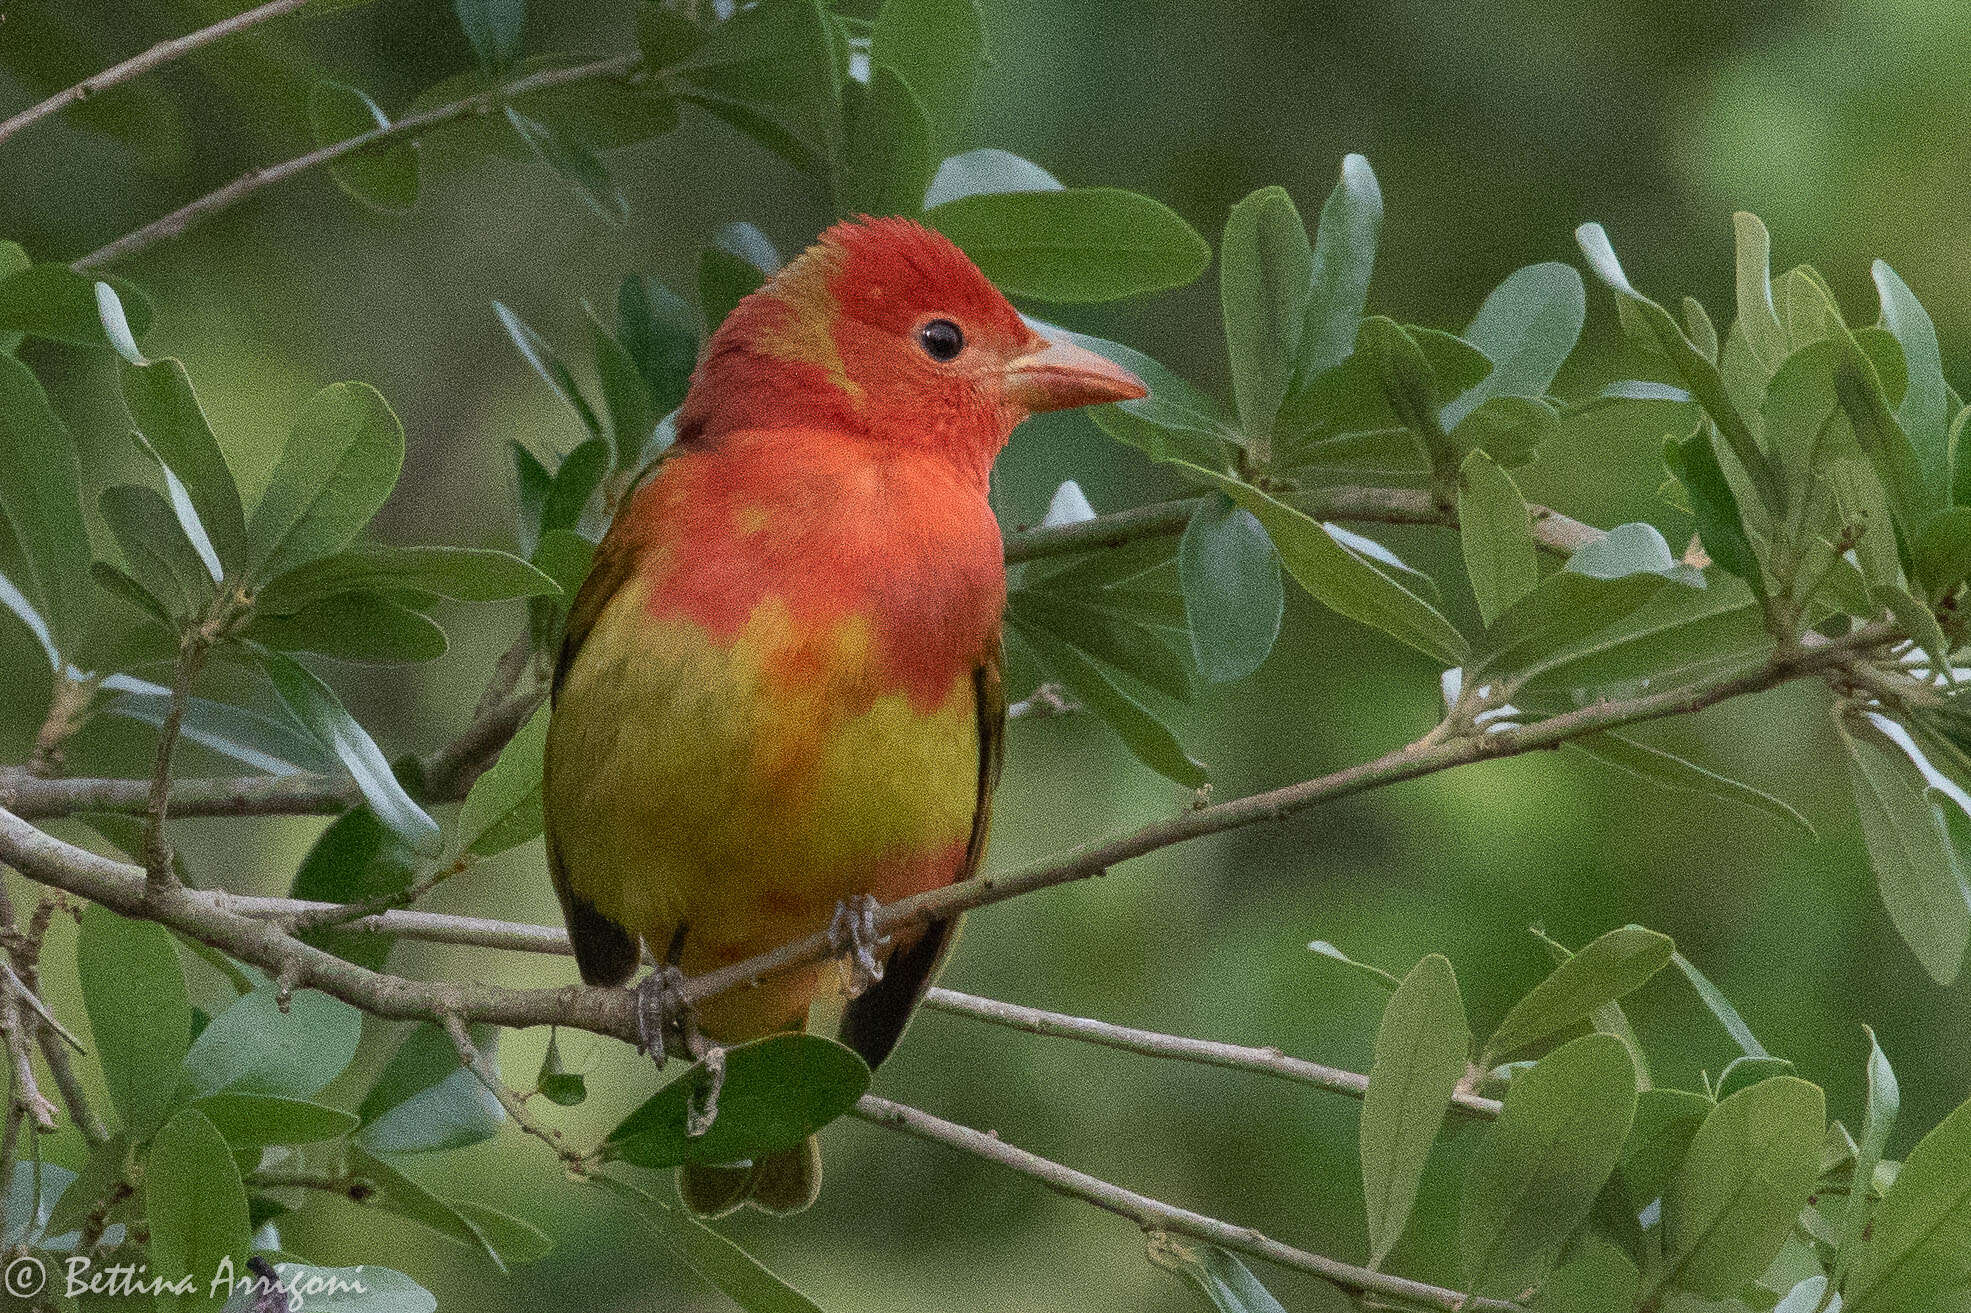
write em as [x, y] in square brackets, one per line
[1059, 375]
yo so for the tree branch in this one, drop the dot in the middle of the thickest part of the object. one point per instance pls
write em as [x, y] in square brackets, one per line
[164, 52]
[1552, 530]
[1238, 1057]
[183, 218]
[573, 1160]
[1155, 1215]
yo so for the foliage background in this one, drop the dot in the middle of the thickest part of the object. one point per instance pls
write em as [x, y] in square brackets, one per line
[1494, 129]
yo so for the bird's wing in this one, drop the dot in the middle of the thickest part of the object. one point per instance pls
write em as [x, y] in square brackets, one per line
[606, 952]
[874, 1022]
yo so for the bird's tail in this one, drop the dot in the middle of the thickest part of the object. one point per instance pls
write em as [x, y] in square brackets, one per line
[778, 1183]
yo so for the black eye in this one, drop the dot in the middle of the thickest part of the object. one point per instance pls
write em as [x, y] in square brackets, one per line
[941, 339]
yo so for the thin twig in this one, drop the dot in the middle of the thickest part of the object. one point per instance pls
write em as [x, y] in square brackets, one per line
[1155, 1215]
[164, 52]
[333, 914]
[1238, 1057]
[477, 1062]
[157, 801]
[213, 202]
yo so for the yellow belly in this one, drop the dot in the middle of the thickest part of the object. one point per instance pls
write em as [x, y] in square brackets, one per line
[741, 789]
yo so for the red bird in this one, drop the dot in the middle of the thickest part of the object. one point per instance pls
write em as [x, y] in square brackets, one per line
[779, 696]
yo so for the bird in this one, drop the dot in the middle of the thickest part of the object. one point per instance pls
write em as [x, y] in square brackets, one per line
[778, 701]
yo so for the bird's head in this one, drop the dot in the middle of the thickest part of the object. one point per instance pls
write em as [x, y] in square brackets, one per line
[886, 328]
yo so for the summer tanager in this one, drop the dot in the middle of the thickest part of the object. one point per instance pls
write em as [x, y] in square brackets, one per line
[779, 696]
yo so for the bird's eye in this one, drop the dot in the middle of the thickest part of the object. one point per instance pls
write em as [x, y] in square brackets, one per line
[941, 339]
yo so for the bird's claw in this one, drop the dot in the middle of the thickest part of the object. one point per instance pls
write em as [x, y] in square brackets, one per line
[852, 934]
[665, 1025]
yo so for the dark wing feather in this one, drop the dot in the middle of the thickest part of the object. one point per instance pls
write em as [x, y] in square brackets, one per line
[606, 953]
[874, 1022]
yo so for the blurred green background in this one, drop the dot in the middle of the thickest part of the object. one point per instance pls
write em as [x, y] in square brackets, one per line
[1495, 129]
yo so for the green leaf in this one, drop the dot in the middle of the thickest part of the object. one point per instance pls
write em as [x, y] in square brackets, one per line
[666, 35]
[516, 1241]
[660, 333]
[724, 280]
[167, 412]
[555, 1082]
[1941, 558]
[565, 556]
[1534, 1177]
[984, 171]
[1666, 1122]
[1917, 1258]
[1746, 1071]
[1336, 577]
[355, 859]
[1605, 970]
[53, 301]
[1146, 737]
[770, 71]
[1713, 506]
[134, 992]
[254, 1047]
[424, 1099]
[1421, 1047]
[245, 736]
[254, 1119]
[503, 808]
[743, 1278]
[363, 627]
[1527, 327]
[938, 48]
[340, 464]
[494, 28]
[1669, 771]
[1925, 411]
[625, 395]
[40, 494]
[576, 164]
[1720, 1007]
[196, 1210]
[1594, 1277]
[888, 158]
[1858, 387]
[1410, 384]
[466, 574]
[382, 177]
[1264, 269]
[548, 365]
[1508, 429]
[575, 481]
[1884, 1102]
[160, 557]
[777, 1092]
[1758, 320]
[1500, 557]
[13, 259]
[1077, 244]
[409, 1198]
[1744, 1180]
[1107, 634]
[1215, 1274]
[1233, 598]
[1344, 259]
[315, 705]
[1916, 871]
[1652, 323]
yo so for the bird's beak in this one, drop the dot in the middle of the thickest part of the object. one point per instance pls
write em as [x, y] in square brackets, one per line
[1058, 375]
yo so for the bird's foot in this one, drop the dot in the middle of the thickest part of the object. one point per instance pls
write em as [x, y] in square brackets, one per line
[665, 1023]
[852, 934]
